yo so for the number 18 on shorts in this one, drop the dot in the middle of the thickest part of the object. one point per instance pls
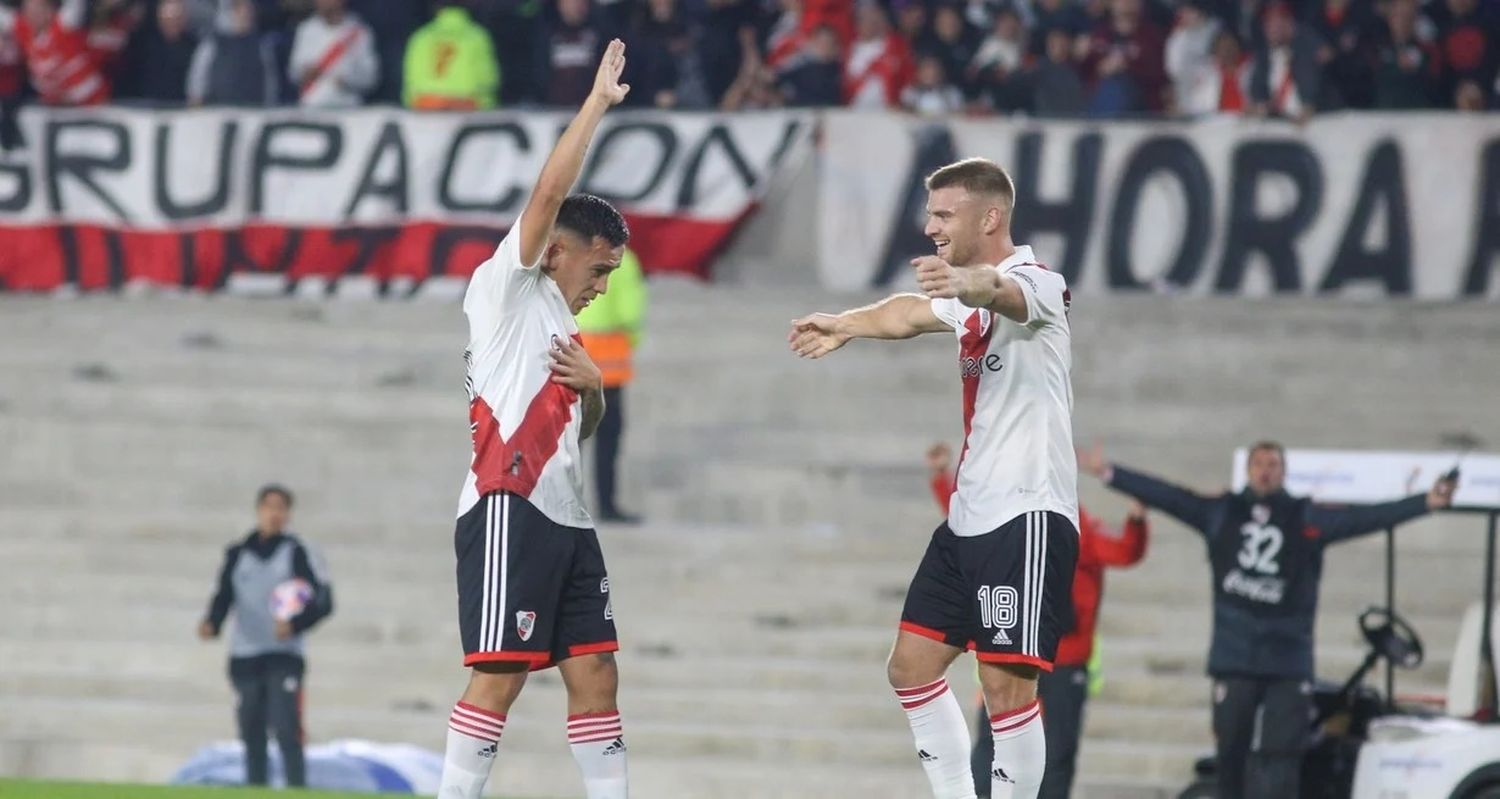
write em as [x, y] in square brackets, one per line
[1006, 594]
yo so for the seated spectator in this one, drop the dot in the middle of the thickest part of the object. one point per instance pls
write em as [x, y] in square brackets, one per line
[157, 60]
[450, 63]
[392, 22]
[930, 94]
[1057, 88]
[1124, 61]
[954, 43]
[1468, 45]
[1220, 86]
[574, 45]
[1189, 58]
[1406, 69]
[66, 59]
[661, 64]
[880, 63]
[235, 65]
[1285, 78]
[754, 90]
[1345, 28]
[815, 78]
[912, 20]
[996, 70]
[333, 59]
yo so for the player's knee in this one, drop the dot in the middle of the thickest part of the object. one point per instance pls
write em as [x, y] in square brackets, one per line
[495, 686]
[904, 672]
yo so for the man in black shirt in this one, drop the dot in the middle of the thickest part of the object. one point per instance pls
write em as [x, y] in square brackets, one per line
[1266, 551]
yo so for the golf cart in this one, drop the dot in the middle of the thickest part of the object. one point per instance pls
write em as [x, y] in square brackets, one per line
[1364, 745]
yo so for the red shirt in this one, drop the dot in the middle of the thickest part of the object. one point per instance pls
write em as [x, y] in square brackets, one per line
[1098, 547]
[66, 63]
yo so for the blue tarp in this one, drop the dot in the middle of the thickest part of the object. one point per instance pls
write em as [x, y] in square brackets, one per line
[347, 765]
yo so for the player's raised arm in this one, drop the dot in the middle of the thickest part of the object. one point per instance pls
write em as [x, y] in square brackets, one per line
[896, 317]
[566, 161]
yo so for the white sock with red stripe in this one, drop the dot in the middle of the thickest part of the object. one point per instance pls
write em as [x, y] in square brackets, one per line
[942, 738]
[1020, 753]
[473, 737]
[598, 744]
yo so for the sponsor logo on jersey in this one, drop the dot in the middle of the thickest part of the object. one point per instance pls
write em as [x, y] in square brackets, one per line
[525, 623]
[970, 367]
[1000, 639]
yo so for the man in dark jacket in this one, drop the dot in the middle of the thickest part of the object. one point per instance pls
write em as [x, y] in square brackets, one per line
[278, 592]
[1266, 551]
[157, 59]
[1286, 79]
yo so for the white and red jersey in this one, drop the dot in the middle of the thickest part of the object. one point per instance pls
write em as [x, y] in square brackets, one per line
[525, 426]
[65, 60]
[1018, 404]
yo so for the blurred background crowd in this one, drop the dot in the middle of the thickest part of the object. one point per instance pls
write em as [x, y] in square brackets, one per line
[1058, 58]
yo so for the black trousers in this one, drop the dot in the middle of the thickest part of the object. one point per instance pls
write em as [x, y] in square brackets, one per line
[269, 692]
[1262, 728]
[607, 449]
[1063, 692]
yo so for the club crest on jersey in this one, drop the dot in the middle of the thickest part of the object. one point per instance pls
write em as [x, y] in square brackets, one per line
[525, 623]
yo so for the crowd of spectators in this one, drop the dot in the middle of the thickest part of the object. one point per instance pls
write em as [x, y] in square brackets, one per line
[1058, 58]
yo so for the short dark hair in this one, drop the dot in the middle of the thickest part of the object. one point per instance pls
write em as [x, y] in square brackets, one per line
[976, 176]
[273, 489]
[589, 216]
[1267, 444]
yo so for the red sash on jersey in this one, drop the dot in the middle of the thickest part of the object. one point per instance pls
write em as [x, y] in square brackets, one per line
[330, 57]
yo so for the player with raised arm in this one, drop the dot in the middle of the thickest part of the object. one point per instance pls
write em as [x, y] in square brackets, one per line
[532, 586]
[997, 576]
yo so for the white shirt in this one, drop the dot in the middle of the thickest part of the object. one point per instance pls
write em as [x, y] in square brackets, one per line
[525, 427]
[343, 56]
[1018, 404]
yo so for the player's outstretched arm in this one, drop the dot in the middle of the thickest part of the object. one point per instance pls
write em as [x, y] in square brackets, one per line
[982, 287]
[896, 317]
[566, 161]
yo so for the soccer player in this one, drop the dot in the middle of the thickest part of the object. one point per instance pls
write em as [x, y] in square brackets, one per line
[998, 573]
[532, 586]
[1265, 553]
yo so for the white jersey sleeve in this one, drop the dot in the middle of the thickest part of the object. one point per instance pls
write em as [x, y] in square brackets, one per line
[500, 281]
[951, 312]
[1046, 293]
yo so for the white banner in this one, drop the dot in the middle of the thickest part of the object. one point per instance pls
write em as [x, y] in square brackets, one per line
[1332, 475]
[88, 201]
[1361, 205]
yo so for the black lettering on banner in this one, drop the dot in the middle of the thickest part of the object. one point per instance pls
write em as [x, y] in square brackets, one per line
[265, 159]
[236, 256]
[370, 240]
[18, 176]
[1391, 264]
[513, 193]
[718, 135]
[1071, 216]
[656, 171]
[83, 165]
[449, 239]
[933, 148]
[218, 200]
[1486, 226]
[114, 256]
[394, 189]
[1274, 237]
[1174, 156]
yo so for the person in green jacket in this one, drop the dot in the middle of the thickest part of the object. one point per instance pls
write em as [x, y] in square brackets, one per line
[450, 63]
[611, 329]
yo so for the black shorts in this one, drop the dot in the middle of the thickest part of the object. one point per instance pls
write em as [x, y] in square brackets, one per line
[529, 590]
[1006, 594]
